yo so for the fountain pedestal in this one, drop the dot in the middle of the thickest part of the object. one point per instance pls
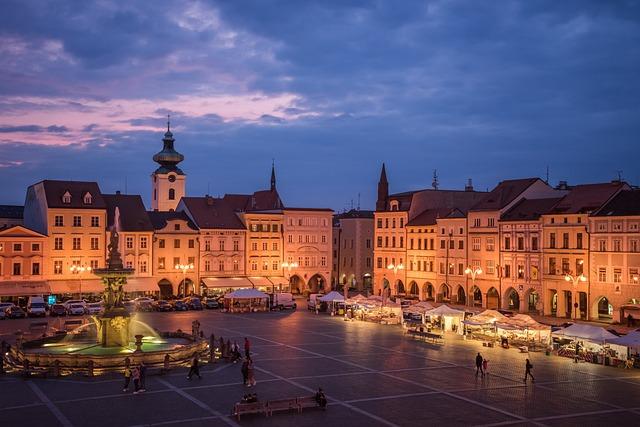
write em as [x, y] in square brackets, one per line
[113, 327]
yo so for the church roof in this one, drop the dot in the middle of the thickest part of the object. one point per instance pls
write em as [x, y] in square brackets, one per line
[168, 157]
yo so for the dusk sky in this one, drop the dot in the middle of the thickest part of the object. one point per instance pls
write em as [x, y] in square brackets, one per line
[487, 90]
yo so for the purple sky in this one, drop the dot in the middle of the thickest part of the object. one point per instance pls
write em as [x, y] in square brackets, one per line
[484, 90]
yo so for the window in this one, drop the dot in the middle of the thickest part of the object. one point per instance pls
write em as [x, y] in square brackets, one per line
[552, 240]
[401, 222]
[617, 226]
[602, 226]
[579, 266]
[443, 244]
[207, 265]
[77, 221]
[176, 261]
[521, 272]
[379, 223]
[617, 245]
[93, 264]
[76, 243]
[58, 221]
[460, 269]
[507, 270]
[324, 239]
[475, 243]
[634, 279]
[17, 247]
[128, 241]
[491, 267]
[235, 265]
[617, 275]
[379, 241]
[236, 245]
[94, 243]
[176, 227]
[35, 268]
[633, 245]
[161, 243]
[461, 231]
[460, 244]
[565, 266]
[17, 269]
[507, 243]
[87, 199]
[534, 243]
[386, 223]
[265, 246]
[274, 265]
[220, 265]
[552, 265]
[602, 245]
[401, 242]
[490, 244]
[379, 262]
[476, 222]
[368, 243]
[442, 268]
[143, 242]
[520, 243]
[143, 266]
[57, 267]
[207, 245]
[192, 244]
[452, 244]
[161, 263]
[534, 272]
[451, 269]
[66, 197]
[191, 260]
[274, 246]
[579, 241]
[254, 246]
[602, 274]
[176, 243]
[95, 221]
[172, 194]
[393, 223]
[254, 266]
[491, 222]
[386, 241]
[57, 243]
[35, 247]
[565, 240]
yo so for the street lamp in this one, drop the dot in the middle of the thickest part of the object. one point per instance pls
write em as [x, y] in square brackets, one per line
[79, 269]
[184, 268]
[575, 280]
[473, 272]
[395, 268]
[289, 266]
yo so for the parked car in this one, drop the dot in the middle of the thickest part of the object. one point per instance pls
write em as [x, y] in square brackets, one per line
[143, 304]
[75, 309]
[179, 305]
[57, 310]
[193, 303]
[211, 303]
[71, 302]
[94, 308]
[36, 307]
[162, 305]
[5, 305]
[129, 305]
[15, 312]
[3, 315]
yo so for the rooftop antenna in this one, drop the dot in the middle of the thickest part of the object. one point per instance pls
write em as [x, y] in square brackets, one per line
[619, 175]
[435, 182]
[547, 180]
[351, 204]
[358, 201]
[168, 122]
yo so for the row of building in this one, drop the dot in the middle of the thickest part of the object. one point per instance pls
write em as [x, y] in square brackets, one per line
[565, 251]
[183, 245]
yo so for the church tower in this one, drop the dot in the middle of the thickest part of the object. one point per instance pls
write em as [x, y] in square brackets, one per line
[383, 191]
[168, 181]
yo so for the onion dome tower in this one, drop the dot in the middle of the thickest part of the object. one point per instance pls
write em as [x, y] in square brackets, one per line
[168, 181]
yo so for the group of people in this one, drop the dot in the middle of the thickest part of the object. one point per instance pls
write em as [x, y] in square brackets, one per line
[138, 373]
[482, 364]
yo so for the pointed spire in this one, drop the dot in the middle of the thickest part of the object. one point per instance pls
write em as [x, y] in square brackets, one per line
[168, 122]
[273, 175]
[383, 174]
[383, 191]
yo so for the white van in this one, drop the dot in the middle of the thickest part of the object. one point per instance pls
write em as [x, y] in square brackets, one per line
[36, 307]
[282, 301]
[313, 301]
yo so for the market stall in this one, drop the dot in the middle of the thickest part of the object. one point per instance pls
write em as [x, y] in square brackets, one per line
[523, 330]
[246, 300]
[632, 342]
[588, 343]
[449, 319]
[374, 310]
[333, 299]
[483, 326]
[415, 313]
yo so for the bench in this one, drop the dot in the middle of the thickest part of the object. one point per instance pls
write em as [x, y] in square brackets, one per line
[281, 405]
[72, 324]
[38, 326]
[248, 408]
[32, 372]
[307, 402]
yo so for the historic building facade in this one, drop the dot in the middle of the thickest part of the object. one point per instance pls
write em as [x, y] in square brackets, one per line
[353, 250]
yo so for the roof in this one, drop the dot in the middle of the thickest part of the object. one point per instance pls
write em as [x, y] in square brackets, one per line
[133, 215]
[159, 219]
[11, 211]
[503, 194]
[625, 203]
[210, 212]
[260, 200]
[588, 198]
[529, 209]
[354, 214]
[429, 217]
[54, 190]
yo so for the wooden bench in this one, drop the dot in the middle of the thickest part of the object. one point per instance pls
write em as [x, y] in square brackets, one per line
[307, 402]
[436, 338]
[281, 405]
[249, 408]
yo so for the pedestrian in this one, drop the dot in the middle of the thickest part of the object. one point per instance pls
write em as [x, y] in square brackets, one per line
[321, 399]
[479, 361]
[251, 379]
[485, 365]
[527, 371]
[135, 374]
[236, 352]
[195, 368]
[245, 370]
[247, 347]
[127, 378]
[143, 376]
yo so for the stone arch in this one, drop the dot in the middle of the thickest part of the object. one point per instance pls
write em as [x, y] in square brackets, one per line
[512, 299]
[531, 300]
[602, 309]
[461, 295]
[476, 296]
[316, 283]
[296, 284]
[429, 292]
[367, 283]
[444, 293]
[385, 286]
[186, 287]
[166, 289]
[400, 290]
[414, 290]
[493, 299]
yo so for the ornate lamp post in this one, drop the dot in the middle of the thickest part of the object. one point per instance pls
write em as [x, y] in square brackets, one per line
[575, 280]
[395, 268]
[473, 272]
[289, 266]
[184, 268]
[79, 269]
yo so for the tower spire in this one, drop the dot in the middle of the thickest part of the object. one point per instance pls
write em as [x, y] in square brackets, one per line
[383, 190]
[168, 122]
[273, 175]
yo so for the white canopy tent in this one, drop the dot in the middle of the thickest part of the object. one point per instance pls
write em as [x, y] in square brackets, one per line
[585, 332]
[524, 326]
[631, 340]
[486, 318]
[332, 296]
[451, 317]
[247, 299]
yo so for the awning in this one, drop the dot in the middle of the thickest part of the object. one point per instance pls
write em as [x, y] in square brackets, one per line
[227, 282]
[278, 280]
[18, 289]
[75, 286]
[260, 282]
[141, 284]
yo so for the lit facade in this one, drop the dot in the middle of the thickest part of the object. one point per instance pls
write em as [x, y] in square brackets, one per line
[353, 250]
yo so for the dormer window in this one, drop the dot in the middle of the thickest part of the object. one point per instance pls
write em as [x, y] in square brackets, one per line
[66, 197]
[394, 205]
[87, 198]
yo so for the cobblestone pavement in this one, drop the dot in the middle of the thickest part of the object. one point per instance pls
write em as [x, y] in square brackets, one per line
[372, 374]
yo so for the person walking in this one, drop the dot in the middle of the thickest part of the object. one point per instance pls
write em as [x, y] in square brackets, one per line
[127, 378]
[527, 371]
[485, 365]
[135, 374]
[143, 376]
[479, 361]
[195, 368]
[247, 347]
[245, 370]
[251, 379]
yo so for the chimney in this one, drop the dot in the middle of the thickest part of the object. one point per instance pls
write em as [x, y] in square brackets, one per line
[117, 192]
[562, 185]
[209, 200]
[469, 186]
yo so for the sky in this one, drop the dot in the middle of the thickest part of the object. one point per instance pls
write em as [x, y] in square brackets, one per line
[328, 90]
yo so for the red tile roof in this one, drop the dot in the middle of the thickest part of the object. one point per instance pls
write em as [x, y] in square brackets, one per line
[54, 190]
[503, 194]
[133, 215]
[588, 198]
[529, 209]
[209, 212]
[625, 203]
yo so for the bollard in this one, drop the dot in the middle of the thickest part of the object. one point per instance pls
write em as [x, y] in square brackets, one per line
[90, 368]
[25, 367]
[167, 363]
[56, 368]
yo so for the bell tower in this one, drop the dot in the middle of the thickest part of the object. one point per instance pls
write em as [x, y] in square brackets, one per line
[168, 181]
